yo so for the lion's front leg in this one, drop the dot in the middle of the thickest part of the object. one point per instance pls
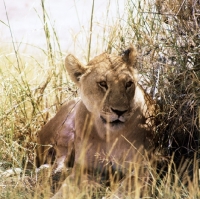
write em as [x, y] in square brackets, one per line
[78, 182]
[64, 156]
[68, 185]
[64, 161]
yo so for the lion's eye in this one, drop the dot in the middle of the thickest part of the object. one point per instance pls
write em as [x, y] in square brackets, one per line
[103, 84]
[129, 84]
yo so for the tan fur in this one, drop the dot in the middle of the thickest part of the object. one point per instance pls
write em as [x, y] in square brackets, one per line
[113, 120]
[57, 137]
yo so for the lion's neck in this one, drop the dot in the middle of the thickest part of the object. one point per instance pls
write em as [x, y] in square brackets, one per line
[90, 124]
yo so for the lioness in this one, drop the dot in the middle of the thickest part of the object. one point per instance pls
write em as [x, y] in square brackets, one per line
[112, 121]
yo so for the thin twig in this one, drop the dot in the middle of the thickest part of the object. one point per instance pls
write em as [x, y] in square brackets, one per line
[91, 25]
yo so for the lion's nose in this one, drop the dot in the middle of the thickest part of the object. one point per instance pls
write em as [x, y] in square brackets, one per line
[118, 112]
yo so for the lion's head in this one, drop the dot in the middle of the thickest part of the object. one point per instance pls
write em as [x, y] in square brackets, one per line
[108, 86]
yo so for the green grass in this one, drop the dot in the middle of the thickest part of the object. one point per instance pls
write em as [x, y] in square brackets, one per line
[168, 46]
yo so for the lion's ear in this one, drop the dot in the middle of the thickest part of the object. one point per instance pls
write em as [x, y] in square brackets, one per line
[74, 68]
[130, 56]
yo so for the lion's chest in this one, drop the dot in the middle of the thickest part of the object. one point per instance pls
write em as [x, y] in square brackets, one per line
[94, 153]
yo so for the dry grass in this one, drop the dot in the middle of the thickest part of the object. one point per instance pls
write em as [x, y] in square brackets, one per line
[168, 40]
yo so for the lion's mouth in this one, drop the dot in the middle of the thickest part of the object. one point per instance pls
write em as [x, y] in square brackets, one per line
[114, 122]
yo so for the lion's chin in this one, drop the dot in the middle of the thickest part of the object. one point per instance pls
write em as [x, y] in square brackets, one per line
[114, 123]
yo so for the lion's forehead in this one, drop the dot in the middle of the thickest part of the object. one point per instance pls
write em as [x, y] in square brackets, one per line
[107, 59]
[113, 74]
[118, 76]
